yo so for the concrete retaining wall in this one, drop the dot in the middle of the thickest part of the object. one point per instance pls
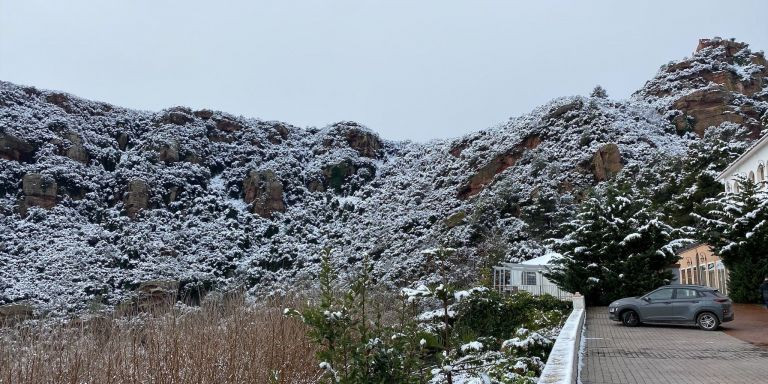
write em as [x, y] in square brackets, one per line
[563, 362]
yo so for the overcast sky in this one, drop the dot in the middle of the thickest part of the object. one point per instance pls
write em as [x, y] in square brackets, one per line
[407, 69]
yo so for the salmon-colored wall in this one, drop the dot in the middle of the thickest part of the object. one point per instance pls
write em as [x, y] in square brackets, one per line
[716, 278]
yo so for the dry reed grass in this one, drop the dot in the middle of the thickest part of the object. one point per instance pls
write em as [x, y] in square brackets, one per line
[229, 342]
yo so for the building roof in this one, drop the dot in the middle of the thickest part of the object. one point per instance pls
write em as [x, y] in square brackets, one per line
[543, 260]
[758, 144]
[691, 246]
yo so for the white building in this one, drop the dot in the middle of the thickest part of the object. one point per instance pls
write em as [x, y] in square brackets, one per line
[749, 166]
[527, 276]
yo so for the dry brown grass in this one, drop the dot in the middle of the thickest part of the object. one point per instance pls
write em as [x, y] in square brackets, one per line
[226, 343]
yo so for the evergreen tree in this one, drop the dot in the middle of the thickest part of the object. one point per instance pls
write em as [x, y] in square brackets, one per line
[354, 344]
[599, 92]
[736, 226]
[616, 247]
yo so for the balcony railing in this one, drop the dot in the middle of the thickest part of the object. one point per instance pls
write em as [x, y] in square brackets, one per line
[536, 290]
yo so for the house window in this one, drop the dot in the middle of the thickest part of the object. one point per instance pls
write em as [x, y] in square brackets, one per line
[529, 278]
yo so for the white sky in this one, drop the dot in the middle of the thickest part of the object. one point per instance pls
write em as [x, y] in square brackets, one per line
[413, 69]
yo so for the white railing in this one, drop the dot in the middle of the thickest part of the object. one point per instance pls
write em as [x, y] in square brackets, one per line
[536, 290]
[563, 362]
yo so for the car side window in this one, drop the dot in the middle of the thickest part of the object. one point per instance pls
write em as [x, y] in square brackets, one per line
[662, 294]
[686, 293]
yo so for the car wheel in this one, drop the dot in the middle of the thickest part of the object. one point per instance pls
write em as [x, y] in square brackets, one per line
[708, 321]
[630, 318]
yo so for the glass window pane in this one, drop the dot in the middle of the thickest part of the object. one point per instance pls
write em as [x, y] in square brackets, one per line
[662, 294]
[686, 293]
[529, 278]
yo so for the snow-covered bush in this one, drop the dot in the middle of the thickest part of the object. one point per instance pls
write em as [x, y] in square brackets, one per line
[436, 334]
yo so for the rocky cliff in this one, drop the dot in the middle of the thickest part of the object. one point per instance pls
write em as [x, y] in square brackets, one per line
[96, 199]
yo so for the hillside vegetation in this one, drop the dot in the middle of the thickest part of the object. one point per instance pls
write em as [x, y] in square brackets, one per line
[97, 201]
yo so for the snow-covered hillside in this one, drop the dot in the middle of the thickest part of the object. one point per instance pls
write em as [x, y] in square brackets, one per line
[96, 199]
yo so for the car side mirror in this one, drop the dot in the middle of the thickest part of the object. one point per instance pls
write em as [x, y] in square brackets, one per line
[647, 299]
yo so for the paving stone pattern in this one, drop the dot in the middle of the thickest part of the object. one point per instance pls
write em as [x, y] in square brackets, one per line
[615, 354]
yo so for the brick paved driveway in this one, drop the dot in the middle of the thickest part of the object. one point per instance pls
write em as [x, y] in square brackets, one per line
[666, 354]
[750, 324]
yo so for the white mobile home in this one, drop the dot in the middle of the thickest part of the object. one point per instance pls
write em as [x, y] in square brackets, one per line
[527, 276]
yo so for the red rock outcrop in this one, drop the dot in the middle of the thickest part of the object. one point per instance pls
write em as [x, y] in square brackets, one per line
[606, 162]
[561, 110]
[264, 192]
[228, 125]
[204, 114]
[177, 116]
[13, 148]
[353, 135]
[76, 151]
[62, 101]
[731, 47]
[169, 152]
[365, 143]
[723, 82]
[39, 191]
[136, 197]
[278, 133]
[122, 141]
[484, 176]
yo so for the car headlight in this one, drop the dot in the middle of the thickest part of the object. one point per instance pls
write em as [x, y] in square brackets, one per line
[612, 309]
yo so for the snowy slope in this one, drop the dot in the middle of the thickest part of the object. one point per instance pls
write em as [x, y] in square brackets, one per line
[504, 188]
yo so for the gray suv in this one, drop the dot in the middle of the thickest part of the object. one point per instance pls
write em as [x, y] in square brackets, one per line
[675, 304]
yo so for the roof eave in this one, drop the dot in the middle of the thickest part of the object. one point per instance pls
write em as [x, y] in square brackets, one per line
[743, 156]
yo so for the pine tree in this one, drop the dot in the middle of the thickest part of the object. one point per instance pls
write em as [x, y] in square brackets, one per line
[616, 247]
[736, 226]
[599, 92]
[354, 344]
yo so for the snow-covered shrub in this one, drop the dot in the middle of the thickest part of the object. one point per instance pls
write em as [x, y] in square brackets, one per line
[490, 314]
[354, 345]
[437, 333]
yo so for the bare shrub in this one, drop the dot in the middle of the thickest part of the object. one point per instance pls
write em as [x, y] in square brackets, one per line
[221, 342]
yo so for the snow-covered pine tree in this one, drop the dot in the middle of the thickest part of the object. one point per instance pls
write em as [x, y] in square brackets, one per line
[696, 179]
[599, 92]
[736, 226]
[616, 247]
